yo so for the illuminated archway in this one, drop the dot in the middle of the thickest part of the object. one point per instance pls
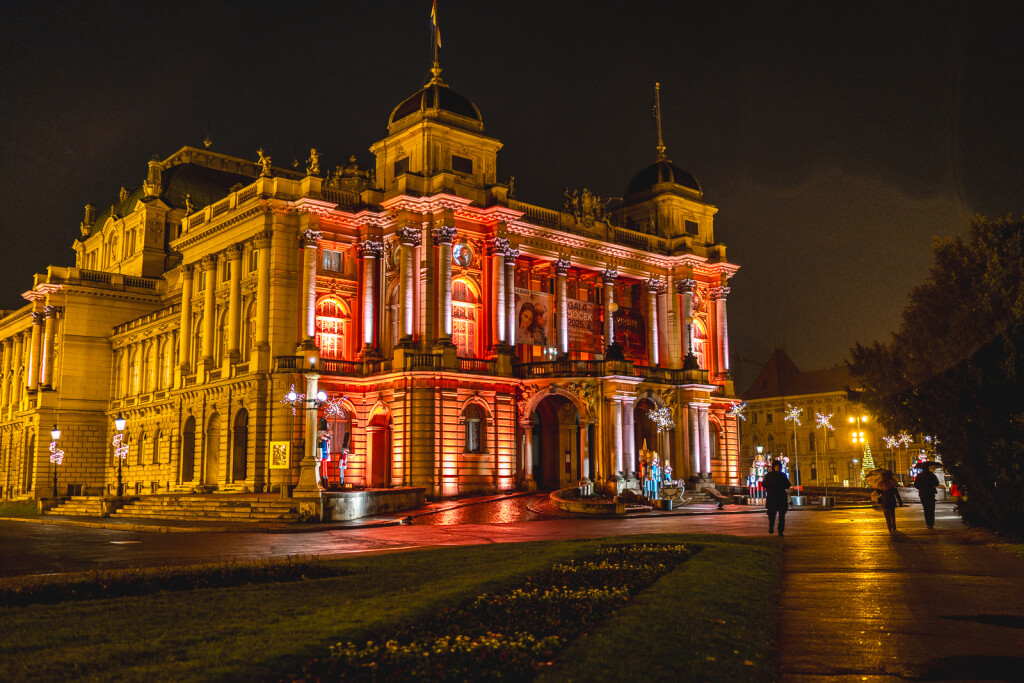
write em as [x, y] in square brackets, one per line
[333, 319]
[466, 317]
[378, 446]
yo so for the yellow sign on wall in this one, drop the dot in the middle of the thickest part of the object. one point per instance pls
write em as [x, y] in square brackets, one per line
[280, 455]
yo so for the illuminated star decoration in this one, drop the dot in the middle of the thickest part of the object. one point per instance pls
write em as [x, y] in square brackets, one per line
[793, 414]
[333, 407]
[737, 410]
[890, 441]
[293, 399]
[56, 454]
[824, 421]
[120, 447]
[662, 417]
[904, 438]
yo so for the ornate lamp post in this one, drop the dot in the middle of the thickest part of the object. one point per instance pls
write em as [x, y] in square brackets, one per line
[824, 422]
[857, 435]
[56, 455]
[120, 448]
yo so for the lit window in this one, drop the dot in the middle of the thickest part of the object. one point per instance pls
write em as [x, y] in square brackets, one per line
[474, 421]
[332, 261]
[331, 322]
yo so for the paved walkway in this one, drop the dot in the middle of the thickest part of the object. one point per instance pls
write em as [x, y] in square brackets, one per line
[920, 604]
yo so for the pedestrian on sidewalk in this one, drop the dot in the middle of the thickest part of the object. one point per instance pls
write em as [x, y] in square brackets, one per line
[775, 484]
[888, 497]
[927, 484]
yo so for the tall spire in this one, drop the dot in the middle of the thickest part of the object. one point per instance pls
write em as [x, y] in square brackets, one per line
[657, 117]
[435, 41]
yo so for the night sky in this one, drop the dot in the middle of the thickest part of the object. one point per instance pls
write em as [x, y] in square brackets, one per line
[836, 139]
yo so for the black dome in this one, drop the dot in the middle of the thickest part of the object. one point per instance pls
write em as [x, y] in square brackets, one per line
[434, 99]
[662, 171]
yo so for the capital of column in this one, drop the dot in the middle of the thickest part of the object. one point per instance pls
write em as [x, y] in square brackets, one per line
[261, 240]
[37, 317]
[371, 249]
[187, 269]
[562, 266]
[511, 254]
[655, 285]
[408, 237]
[685, 286]
[719, 293]
[609, 275]
[310, 237]
[234, 252]
[444, 234]
[209, 262]
[497, 246]
[52, 311]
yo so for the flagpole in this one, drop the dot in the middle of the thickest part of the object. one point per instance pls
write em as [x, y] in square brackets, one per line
[657, 116]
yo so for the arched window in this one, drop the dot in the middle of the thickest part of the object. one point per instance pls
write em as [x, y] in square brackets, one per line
[465, 314]
[140, 450]
[332, 320]
[188, 450]
[473, 417]
[112, 251]
[155, 459]
[248, 331]
[134, 372]
[700, 344]
[221, 347]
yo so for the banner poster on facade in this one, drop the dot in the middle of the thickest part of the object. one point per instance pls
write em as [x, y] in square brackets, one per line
[534, 318]
[280, 455]
[585, 333]
[631, 333]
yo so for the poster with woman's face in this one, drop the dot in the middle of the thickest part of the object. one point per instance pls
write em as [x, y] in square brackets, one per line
[534, 318]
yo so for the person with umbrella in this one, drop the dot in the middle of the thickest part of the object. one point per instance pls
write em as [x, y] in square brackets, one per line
[927, 484]
[775, 484]
[885, 484]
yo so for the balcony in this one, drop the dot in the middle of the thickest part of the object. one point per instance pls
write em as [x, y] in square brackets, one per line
[602, 368]
[413, 362]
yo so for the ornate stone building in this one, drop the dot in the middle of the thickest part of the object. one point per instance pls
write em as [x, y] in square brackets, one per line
[460, 334]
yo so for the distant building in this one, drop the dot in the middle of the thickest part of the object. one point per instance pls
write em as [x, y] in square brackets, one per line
[461, 335]
[834, 459]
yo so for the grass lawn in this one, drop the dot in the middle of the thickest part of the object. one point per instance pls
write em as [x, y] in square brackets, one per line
[710, 618]
[19, 508]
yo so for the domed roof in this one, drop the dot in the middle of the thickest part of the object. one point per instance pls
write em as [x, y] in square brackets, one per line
[437, 100]
[662, 171]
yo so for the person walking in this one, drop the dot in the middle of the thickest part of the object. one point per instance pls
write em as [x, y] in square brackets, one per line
[775, 484]
[889, 497]
[927, 484]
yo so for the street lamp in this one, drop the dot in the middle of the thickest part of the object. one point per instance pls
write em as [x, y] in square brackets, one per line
[857, 435]
[793, 415]
[56, 455]
[824, 422]
[120, 448]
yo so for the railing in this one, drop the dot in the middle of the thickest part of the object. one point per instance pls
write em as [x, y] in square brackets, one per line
[601, 368]
[340, 197]
[379, 367]
[247, 194]
[141, 283]
[481, 365]
[221, 207]
[283, 363]
[96, 276]
[197, 219]
[341, 367]
[536, 214]
[422, 361]
[561, 368]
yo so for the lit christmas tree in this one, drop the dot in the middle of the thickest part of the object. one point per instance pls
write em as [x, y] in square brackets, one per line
[867, 463]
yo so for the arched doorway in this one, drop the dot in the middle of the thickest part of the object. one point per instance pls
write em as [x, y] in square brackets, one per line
[339, 422]
[212, 451]
[378, 448]
[240, 446]
[188, 450]
[555, 443]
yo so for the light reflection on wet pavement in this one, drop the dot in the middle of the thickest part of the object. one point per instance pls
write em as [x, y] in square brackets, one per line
[506, 511]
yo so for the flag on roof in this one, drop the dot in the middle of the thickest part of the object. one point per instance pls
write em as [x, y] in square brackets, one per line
[433, 23]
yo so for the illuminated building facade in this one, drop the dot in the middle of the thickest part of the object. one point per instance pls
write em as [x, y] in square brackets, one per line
[460, 334]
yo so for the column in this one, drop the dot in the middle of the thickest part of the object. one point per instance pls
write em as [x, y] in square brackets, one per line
[511, 255]
[685, 287]
[654, 285]
[308, 475]
[49, 332]
[496, 249]
[369, 251]
[17, 360]
[719, 295]
[584, 453]
[209, 265]
[234, 302]
[310, 240]
[695, 440]
[629, 439]
[444, 235]
[561, 269]
[185, 324]
[705, 441]
[527, 426]
[608, 292]
[8, 372]
[408, 239]
[32, 376]
[262, 243]
[617, 421]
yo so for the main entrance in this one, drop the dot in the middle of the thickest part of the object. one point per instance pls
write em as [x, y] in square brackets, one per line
[555, 443]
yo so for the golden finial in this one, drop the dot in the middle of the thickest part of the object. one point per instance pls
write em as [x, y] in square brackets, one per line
[657, 116]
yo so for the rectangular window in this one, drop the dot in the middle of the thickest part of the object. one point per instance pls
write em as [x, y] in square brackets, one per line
[769, 420]
[754, 418]
[202, 279]
[811, 442]
[462, 164]
[332, 261]
[254, 259]
[401, 166]
[227, 271]
[691, 227]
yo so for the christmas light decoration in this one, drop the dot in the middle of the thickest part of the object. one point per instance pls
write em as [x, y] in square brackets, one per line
[662, 417]
[293, 399]
[120, 447]
[824, 422]
[56, 454]
[793, 415]
[737, 410]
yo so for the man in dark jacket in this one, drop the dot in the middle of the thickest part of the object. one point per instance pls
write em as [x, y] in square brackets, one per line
[777, 501]
[927, 484]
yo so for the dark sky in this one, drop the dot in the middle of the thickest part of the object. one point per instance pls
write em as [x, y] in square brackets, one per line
[835, 138]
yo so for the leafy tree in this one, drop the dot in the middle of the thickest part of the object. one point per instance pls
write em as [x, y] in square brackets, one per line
[955, 366]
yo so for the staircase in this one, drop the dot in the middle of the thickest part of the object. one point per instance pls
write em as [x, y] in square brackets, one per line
[82, 506]
[213, 507]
